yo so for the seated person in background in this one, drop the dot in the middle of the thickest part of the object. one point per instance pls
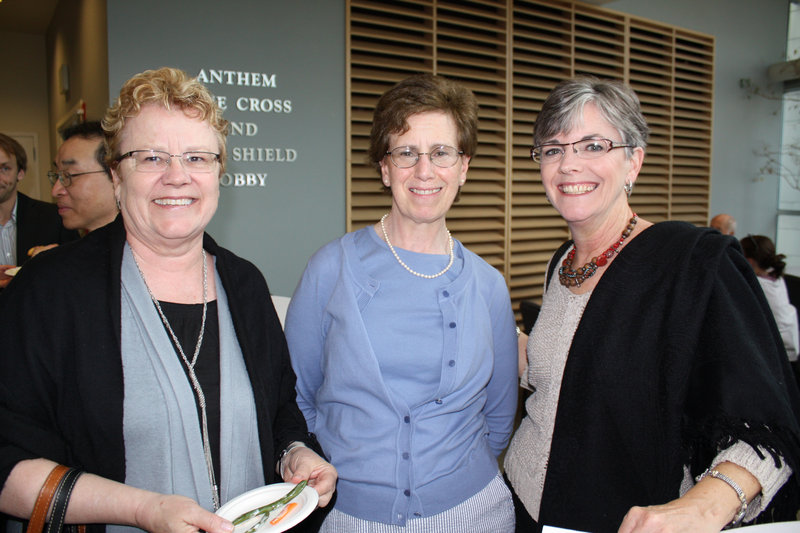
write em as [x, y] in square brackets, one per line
[24, 222]
[82, 182]
[760, 253]
[724, 223]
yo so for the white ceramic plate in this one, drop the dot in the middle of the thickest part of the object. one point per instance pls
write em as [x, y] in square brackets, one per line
[778, 527]
[12, 271]
[261, 496]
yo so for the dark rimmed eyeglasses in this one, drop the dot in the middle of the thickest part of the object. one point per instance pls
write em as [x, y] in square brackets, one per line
[65, 178]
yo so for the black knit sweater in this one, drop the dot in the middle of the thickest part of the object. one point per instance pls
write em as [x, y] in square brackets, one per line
[676, 356]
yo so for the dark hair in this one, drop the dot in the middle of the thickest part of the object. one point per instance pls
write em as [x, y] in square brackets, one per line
[84, 130]
[617, 103]
[761, 249]
[422, 93]
[11, 147]
[90, 130]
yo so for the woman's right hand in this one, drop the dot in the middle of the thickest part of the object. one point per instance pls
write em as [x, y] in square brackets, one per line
[97, 500]
[161, 513]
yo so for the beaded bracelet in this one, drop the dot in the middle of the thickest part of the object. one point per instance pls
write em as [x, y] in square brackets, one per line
[735, 486]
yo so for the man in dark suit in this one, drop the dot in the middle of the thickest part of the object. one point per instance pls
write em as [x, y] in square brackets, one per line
[24, 222]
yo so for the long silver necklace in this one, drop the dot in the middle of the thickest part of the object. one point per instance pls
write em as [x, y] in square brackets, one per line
[201, 398]
[426, 276]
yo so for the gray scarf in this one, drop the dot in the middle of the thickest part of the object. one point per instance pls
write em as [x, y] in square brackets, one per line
[163, 442]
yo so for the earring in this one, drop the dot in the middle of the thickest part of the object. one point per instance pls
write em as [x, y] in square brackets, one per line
[117, 201]
[628, 188]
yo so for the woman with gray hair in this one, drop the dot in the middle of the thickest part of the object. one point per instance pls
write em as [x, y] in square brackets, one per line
[662, 398]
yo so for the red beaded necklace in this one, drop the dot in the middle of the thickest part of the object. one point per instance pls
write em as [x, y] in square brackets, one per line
[574, 278]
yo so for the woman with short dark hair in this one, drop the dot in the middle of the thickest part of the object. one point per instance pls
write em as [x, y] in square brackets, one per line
[404, 341]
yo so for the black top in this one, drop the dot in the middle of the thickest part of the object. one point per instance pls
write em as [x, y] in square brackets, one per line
[38, 224]
[61, 394]
[185, 320]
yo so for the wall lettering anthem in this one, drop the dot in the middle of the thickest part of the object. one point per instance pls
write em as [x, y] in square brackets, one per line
[250, 161]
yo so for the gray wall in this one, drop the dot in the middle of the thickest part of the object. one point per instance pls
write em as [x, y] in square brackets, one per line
[278, 221]
[23, 107]
[302, 204]
[750, 36]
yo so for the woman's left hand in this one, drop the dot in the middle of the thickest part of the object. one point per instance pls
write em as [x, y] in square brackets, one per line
[710, 505]
[303, 463]
[681, 515]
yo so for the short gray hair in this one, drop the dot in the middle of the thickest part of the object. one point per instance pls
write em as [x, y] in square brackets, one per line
[619, 105]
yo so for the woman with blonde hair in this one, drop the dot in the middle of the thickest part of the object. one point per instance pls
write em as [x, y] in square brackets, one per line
[163, 374]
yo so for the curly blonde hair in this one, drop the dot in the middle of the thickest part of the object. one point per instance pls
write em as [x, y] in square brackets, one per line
[168, 87]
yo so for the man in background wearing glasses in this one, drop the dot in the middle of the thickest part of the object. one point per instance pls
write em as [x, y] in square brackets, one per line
[24, 222]
[82, 183]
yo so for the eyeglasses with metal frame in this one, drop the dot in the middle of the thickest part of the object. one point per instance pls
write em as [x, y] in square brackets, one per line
[442, 156]
[584, 149]
[158, 161]
[66, 177]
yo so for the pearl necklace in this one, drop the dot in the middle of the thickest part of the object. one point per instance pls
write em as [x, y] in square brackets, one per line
[426, 276]
[201, 397]
[573, 278]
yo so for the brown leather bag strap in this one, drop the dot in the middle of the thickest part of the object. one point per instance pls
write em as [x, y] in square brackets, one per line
[61, 500]
[42, 505]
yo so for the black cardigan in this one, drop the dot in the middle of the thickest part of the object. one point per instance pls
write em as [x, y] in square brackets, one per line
[61, 383]
[38, 223]
[676, 354]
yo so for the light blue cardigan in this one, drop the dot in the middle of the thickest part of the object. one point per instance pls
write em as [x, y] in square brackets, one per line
[398, 461]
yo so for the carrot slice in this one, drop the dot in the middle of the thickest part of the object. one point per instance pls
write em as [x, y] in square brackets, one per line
[286, 510]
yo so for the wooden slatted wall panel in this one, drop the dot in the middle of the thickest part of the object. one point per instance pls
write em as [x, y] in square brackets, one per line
[388, 41]
[650, 74]
[543, 44]
[471, 48]
[511, 53]
[691, 137]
